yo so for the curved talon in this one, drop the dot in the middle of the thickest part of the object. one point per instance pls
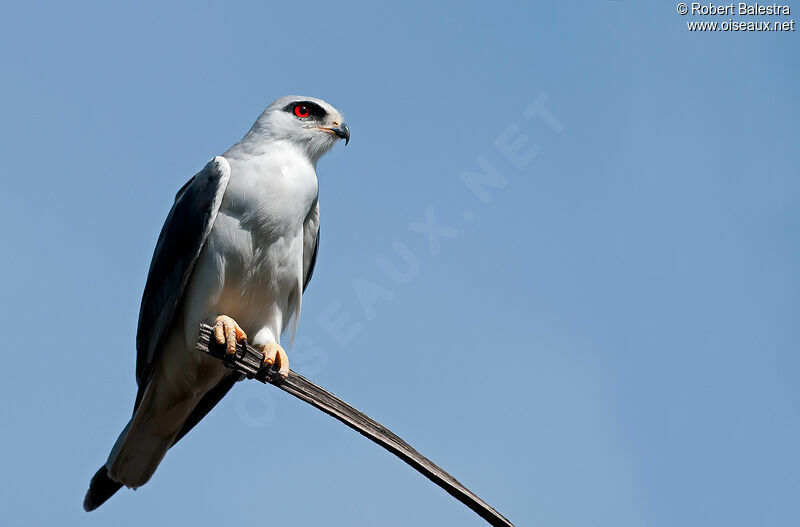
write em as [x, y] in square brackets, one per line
[273, 352]
[227, 331]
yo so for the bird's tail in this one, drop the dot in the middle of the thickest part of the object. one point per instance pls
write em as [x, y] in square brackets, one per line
[101, 488]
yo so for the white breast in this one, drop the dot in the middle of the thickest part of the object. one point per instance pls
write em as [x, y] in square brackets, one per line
[252, 265]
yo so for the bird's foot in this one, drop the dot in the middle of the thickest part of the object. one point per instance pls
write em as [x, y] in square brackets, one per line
[275, 353]
[228, 332]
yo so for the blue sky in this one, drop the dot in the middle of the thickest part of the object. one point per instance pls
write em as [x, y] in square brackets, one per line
[608, 336]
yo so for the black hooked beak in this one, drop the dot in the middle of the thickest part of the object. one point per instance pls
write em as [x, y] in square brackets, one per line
[342, 131]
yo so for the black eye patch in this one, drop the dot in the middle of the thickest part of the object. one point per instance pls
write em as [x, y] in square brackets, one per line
[305, 110]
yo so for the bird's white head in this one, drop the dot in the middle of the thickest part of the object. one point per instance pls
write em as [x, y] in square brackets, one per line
[310, 124]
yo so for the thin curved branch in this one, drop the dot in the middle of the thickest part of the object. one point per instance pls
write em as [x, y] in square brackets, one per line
[248, 361]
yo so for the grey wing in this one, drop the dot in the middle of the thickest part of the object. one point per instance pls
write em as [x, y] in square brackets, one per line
[179, 244]
[310, 244]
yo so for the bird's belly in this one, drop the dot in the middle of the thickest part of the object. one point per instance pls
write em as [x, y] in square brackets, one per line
[253, 276]
[251, 267]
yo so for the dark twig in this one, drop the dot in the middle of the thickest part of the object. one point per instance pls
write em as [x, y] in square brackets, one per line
[248, 361]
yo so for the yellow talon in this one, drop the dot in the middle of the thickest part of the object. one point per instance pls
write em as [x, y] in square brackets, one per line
[227, 331]
[273, 352]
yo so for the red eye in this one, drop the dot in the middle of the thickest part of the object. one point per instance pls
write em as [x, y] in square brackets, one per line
[301, 111]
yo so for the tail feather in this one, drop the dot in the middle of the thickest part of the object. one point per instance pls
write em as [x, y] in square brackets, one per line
[101, 488]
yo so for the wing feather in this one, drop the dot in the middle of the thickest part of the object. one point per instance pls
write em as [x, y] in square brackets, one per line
[310, 244]
[182, 238]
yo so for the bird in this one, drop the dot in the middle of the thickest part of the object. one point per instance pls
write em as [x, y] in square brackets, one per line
[236, 251]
